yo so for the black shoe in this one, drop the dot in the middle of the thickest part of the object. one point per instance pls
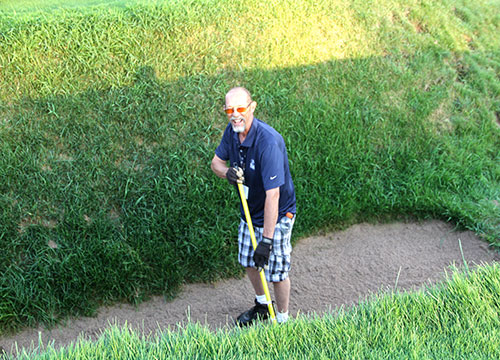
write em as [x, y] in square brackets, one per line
[259, 311]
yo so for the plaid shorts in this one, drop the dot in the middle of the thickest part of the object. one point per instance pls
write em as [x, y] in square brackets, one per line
[279, 260]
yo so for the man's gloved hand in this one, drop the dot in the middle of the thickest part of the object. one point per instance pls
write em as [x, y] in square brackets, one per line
[234, 175]
[261, 254]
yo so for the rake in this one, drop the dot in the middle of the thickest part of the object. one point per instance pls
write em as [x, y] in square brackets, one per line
[254, 244]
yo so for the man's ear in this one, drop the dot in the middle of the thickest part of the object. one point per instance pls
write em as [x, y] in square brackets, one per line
[254, 105]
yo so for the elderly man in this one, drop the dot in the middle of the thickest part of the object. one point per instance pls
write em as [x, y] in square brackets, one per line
[257, 157]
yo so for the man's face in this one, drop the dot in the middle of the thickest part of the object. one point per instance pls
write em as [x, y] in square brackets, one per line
[242, 111]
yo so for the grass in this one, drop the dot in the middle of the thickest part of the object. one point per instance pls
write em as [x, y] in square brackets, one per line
[458, 318]
[20, 7]
[109, 117]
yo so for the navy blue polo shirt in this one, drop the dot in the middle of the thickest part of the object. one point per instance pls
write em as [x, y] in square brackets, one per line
[264, 159]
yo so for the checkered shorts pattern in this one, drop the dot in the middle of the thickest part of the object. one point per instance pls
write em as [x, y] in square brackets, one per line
[279, 260]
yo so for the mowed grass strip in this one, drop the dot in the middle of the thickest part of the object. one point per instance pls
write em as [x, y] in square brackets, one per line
[458, 318]
[109, 118]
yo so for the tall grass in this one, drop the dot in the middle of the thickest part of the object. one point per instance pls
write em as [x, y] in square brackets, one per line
[458, 319]
[109, 118]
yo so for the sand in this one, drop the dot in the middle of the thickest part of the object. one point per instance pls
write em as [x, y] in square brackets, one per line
[336, 269]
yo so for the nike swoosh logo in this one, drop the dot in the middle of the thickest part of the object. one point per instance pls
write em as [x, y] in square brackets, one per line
[273, 177]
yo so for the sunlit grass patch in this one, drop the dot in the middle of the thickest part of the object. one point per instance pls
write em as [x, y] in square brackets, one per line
[27, 7]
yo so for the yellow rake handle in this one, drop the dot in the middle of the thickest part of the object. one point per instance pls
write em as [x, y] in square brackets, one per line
[254, 244]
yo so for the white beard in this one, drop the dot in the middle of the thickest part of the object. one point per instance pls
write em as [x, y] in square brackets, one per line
[238, 128]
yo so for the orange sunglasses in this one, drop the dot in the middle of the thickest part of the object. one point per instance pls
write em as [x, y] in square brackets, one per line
[240, 109]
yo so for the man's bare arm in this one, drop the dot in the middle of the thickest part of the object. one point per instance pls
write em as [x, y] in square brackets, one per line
[219, 167]
[271, 211]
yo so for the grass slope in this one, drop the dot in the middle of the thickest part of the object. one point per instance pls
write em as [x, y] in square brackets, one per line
[28, 7]
[109, 118]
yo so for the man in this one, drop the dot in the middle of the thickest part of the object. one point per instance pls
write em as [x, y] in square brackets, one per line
[257, 157]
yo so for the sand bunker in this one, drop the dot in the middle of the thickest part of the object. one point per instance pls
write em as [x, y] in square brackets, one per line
[339, 268]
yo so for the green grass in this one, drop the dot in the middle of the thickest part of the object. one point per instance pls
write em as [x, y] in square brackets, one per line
[109, 118]
[458, 319]
[20, 7]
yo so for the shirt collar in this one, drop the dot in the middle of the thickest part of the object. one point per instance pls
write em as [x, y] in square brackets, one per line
[250, 139]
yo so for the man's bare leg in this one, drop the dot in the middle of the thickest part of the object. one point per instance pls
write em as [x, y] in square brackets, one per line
[282, 293]
[254, 277]
[281, 289]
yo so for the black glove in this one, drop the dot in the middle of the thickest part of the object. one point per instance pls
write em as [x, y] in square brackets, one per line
[234, 175]
[261, 254]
